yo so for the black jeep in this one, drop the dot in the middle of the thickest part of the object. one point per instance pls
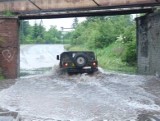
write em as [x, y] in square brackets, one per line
[78, 61]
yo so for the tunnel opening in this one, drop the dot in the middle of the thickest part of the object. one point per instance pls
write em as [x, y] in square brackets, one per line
[86, 97]
[41, 41]
[66, 9]
[112, 38]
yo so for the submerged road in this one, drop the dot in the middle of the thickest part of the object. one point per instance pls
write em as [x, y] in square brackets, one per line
[103, 96]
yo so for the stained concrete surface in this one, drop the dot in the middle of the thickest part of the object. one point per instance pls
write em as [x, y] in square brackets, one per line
[148, 49]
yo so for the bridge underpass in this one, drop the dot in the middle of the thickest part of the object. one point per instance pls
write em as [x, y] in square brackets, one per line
[148, 58]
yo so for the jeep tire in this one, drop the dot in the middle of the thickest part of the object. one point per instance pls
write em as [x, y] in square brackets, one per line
[80, 60]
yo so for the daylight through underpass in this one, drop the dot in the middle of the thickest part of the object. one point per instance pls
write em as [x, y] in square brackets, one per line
[41, 41]
[113, 39]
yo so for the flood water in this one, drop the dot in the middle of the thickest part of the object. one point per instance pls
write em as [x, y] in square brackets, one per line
[38, 59]
[56, 96]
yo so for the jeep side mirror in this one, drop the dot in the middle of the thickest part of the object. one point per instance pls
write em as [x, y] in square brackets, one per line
[57, 57]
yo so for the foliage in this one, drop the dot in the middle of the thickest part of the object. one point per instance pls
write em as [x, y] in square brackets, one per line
[67, 37]
[1, 76]
[112, 38]
[75, 23]
[8, 13]
[109, 58]
[52, 35]
[37, 34]
[99, 32]
[130, 55]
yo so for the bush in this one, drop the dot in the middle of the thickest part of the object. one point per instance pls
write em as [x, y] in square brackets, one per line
[8, 13]
[130, 55]
[112, 38]
[109, 57]
[1, 77]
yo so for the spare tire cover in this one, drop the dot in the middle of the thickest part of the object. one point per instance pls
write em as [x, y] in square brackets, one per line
[80, 60]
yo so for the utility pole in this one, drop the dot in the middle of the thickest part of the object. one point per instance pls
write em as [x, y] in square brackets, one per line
[62, 37]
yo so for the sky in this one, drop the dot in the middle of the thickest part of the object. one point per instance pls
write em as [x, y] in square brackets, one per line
[60, 22]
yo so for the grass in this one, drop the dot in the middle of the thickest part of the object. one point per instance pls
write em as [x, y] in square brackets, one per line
[8, 13]
[109, 58]
[75, 48]
[1, 77]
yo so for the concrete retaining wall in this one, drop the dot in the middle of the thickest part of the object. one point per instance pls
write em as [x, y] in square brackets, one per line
[148, 43]
[9, 47]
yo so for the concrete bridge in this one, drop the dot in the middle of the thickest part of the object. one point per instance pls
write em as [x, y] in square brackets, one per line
[35, 9]
[148, 27]
[48, 5]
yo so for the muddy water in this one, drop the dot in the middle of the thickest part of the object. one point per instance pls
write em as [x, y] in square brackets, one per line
[99, 97]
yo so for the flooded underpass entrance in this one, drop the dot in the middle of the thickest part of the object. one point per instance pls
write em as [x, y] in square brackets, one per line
[40, 43]
[38, 58]
[56, 96]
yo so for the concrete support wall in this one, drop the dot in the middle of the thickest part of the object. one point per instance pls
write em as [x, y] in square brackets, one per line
[148, 43]
[9, 47]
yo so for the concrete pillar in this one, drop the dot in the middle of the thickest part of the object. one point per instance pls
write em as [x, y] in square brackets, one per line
[9, 47]
[148, 43]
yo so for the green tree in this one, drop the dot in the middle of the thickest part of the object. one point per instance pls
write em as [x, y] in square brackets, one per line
[100, 32]
[25, 31]
[35, 31]
[67, 37]
[53, 35]
[75, 22]
[38, 33]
